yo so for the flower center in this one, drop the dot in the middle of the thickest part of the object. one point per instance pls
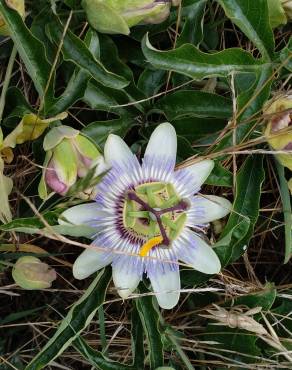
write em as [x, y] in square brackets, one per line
[154, 213]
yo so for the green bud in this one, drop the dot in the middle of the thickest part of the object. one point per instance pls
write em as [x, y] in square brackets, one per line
[6, 186]
[276, 13]
[278, 131]
[69, 156]
[280, 11]
[31, 273]
[117, 16]
[287, 6]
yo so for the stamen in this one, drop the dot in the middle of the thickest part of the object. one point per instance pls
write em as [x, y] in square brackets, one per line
[149, 245]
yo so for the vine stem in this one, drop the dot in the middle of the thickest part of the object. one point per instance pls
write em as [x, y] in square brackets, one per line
[7, 80]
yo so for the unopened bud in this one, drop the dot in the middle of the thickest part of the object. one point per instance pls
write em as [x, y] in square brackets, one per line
[117, 16]
[69, 156]
[31, 273]
[16, 5]
[278, 131]
[287, 6]
[280, 12]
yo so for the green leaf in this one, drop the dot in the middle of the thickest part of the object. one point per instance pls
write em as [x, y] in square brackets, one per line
[250, 104]
[220, 176]
[31, 222]
[18, 107]
[194, 103]
[192, 31]
[77, 319]
[103, 98]
[151, 80]
[286, 56]
[137, 339]
[96, 358]
[77, 84]
[150, 320]
[31, 51]
[287, 211]
[30, 226]
[75, 50]
[110, 58]
[249, 182]
[204, 130]
[190, 61]
[232, 241]
[252, 17]
[99, 131]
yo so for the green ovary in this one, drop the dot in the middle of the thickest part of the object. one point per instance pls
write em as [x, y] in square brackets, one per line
[143, 223]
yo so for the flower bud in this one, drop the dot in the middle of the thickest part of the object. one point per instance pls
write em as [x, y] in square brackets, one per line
[117, 16]
[16, 5]
[280, 11]
[32, 274]
[69, 156]
[6, 185]
[287, 6]
[278, 131]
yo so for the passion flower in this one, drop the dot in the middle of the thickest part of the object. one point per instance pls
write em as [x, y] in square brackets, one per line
[146, 218]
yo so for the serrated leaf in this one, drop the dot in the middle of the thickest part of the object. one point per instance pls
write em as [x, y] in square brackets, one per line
[190, 61]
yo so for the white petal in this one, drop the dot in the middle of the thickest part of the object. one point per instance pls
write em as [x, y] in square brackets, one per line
[199, 172]
[125, 280]
[117, 151]
[166, 287]
[81, 214]
[163, 142]
[89, 262]
[210, 208]
[200, 256]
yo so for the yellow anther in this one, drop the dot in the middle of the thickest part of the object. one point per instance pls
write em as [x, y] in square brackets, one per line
[149, 245]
